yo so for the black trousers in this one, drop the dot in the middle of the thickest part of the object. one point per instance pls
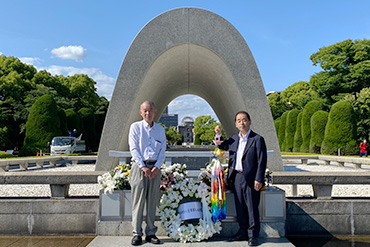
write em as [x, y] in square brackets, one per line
[247, 200]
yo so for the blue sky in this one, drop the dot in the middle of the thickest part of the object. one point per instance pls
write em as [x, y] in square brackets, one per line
[92, 37]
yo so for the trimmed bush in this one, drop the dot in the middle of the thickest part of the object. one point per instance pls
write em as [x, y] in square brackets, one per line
[298, 134]
[281, 133]
[42, 125]
[29, 150]
[5, 154]
[311, 107]
[290, 129]
[277, 125]
[88, 128]
[340, 131]
[318, 123]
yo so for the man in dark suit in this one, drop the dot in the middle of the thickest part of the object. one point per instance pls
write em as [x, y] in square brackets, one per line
[247, 165]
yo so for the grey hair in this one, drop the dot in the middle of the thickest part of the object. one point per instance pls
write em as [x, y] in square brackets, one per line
[151, 103]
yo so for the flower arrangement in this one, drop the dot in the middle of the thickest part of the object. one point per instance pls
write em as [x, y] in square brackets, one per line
[172, 174]
[268, 179]
[116, 179]
[187, 190]
[205, 174]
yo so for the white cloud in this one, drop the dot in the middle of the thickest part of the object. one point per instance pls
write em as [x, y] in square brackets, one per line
[30, 60]
[190, 106]
[77, 53]
[1, 53]
[104, 83]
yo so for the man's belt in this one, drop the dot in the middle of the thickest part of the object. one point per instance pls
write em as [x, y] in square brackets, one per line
[150, 162]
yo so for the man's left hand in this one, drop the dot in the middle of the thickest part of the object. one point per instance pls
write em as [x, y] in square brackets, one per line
[154, 171]
[257, 185]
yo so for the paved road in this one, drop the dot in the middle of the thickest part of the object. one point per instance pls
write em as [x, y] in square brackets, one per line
[125, 241]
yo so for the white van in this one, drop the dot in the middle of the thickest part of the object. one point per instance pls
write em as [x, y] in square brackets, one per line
[63, 145]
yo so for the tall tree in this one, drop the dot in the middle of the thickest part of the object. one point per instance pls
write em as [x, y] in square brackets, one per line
[204, 126]
[346, 69]
[361, 106]
[88, 128]
[173, 137]
[82, 88]
[15, 84]
[277, 105]
[100, 114]
[298, 95]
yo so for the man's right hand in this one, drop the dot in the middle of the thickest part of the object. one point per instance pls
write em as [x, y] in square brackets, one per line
[147, 171]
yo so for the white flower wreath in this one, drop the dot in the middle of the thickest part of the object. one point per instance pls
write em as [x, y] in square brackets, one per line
[171, 221]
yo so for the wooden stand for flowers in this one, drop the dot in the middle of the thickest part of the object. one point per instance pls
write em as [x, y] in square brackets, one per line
[116, 206]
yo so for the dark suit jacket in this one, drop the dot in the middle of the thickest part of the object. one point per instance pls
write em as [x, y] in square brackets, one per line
[254, 159]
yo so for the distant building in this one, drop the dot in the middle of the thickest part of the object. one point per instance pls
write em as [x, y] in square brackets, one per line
[271, 92]
[169, 120]
[186, 129]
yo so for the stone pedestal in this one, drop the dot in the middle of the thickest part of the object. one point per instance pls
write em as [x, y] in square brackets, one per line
[116, 206]
[116, 214]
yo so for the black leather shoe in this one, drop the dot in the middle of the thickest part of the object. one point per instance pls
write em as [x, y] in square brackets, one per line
[238, 237]
[136, 240]
[152, 239]
[253, 242]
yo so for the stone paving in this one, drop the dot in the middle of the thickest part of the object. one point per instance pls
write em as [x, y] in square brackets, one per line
[120, 241]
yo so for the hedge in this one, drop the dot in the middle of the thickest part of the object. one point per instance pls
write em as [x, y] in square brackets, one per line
[318, 123]
[42, 125]
[277, 125]
[309, 109]
[290, 129]
[5, 154]
[282, 128]
[298, 134]
[340, 131]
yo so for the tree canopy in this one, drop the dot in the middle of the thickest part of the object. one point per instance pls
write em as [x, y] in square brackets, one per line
[21, 85]
[204, 127]
[346, 69]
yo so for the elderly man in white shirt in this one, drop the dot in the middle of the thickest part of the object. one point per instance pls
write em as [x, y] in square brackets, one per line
[147, 141]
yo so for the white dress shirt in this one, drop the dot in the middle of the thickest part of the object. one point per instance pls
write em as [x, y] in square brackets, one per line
[147, 143]
[218, 136]
[240, 152]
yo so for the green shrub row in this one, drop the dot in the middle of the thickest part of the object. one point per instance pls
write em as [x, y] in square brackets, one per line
[316, 131]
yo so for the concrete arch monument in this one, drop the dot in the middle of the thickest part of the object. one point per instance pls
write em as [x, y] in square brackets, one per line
[188, 51]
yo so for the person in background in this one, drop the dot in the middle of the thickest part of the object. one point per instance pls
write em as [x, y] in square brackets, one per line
[218, 135]
[147, 141]
[246, 174]
[75, 133]
[363, 148]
